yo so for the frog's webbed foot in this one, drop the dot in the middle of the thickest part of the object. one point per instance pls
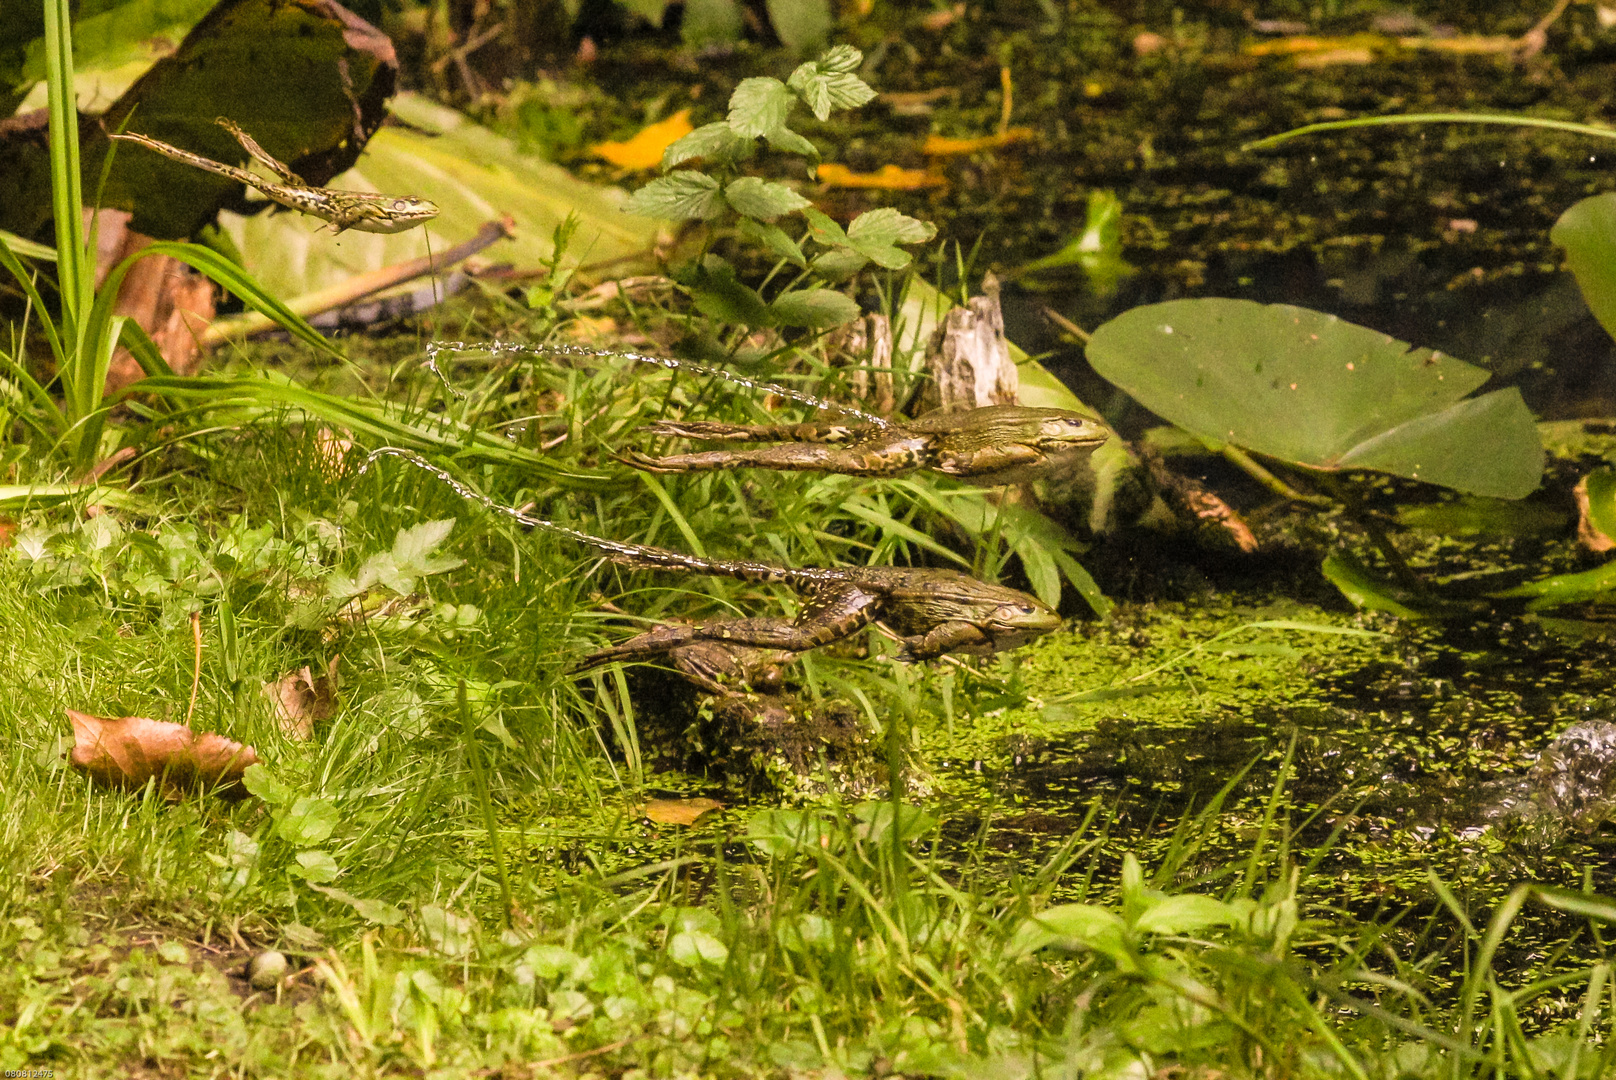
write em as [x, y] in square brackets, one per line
[663, 639]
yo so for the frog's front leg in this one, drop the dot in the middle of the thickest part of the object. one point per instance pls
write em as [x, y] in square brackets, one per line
[945, 638]
[874, 457]
[986, 460]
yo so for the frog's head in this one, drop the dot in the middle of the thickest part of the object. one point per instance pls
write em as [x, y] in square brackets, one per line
[1069, 431]
[395, 213]
[1017, 620]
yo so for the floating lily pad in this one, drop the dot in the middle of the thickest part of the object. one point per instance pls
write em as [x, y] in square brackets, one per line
[1587, 231]
[1310, 389]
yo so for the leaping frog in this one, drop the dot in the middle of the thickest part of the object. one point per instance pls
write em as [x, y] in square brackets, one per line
[362, 210]
[933, 611]
[995, 444]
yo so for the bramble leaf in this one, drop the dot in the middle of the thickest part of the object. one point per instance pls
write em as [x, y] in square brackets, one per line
[829, 83]
[684, 195]
[774, 238]
[759, 106]
[759, 198]
[716, 143]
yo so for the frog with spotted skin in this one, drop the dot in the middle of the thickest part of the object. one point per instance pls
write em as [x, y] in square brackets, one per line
[994, 444]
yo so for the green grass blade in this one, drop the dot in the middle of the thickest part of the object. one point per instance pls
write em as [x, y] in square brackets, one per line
[1506, 119]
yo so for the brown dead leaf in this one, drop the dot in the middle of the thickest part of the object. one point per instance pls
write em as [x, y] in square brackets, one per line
[679, 811]
[300, 698]
[8, 534]
[128, 751]
[332, 450]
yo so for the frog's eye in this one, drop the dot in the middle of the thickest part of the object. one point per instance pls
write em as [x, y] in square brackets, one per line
[400, 204]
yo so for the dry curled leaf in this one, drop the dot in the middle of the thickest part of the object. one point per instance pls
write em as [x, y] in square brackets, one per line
[679, 811]
[943, 146]
[300, 698]
[130, 750]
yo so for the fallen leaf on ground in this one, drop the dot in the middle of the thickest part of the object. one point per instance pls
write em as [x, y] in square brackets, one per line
[130, 750]
[1293, 46]
[299, 698]
[679, 811]
[8, 533]
[644, 150]
[943, 146]
[886, 178]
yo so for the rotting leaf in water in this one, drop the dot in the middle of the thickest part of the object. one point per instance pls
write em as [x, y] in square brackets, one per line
[679, 811]
[644, 150]
[130, 751]
[1596, 510]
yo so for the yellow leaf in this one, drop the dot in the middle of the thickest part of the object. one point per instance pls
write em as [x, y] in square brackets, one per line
[679, 811]
[644, 151]
[943, 146]
[887, 178]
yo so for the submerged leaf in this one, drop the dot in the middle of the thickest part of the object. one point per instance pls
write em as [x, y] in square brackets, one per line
[679, 811]
[129, 751]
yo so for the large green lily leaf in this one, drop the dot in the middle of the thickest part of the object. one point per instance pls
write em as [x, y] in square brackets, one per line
[1587, 231]
[1310, 389]
[473, 175]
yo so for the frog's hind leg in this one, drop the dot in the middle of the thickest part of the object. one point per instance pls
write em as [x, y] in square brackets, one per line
[259, 154]
[714, 431]
[855, 460]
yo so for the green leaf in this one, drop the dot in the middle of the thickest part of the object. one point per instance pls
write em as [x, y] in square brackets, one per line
[376, 911]
[759, 106]
[759, 198]
[1075, 926]
[1186, 914]
[716, 143]
[787, 141]
[684, 195]
[711, 22]
[413, 548]
[839, 264]
[1374, 593]
[815, 309]
[316, 866]
[308, 822]
[803, 25]
[693, 948]
[783, 832]
[828, 83]
[1310, 389]
[1550, 592]
[1472, 515]
[1587, 231]
[262, 783]
[719, 294]
[773, 238]
[823, 230]
[1601, 491]
[874, 232]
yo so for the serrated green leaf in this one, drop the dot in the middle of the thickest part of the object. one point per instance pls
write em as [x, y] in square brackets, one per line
[773, 238]
[840, 59]
[824, 91]
[684, 195]
[888, 226]
[839, 263]
[787, 141]
[764, 199]
[759, 106]
[413, 548]
[815, 309]
[824, 230]
[715, 143]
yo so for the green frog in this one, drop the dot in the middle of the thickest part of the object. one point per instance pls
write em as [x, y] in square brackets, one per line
[933, 611]
[361, 210]
[994, 444]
